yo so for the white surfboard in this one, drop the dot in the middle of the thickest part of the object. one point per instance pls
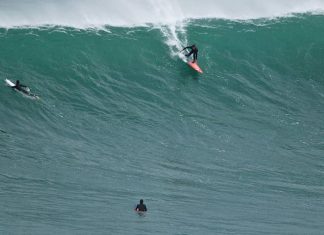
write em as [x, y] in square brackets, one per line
[9, 83]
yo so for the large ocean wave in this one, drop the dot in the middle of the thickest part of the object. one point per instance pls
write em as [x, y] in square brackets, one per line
[96, 13]
[122, 117]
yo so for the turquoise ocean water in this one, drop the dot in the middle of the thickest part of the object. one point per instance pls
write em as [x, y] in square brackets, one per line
[236, 150]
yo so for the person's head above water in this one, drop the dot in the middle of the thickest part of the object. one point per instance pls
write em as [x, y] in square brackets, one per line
[17, 82]
[141, 201]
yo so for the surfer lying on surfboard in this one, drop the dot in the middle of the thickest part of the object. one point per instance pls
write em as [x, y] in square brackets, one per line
[194, 51]
[21, 87]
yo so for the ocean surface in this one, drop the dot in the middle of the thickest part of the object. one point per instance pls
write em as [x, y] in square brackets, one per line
[238, 149]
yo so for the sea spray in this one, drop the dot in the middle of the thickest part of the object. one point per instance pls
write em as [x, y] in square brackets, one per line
[96, 13]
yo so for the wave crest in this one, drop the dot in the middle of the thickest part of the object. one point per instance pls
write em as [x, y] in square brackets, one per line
[94, 13]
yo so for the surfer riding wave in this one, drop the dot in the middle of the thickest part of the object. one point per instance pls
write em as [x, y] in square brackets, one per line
[194, 51]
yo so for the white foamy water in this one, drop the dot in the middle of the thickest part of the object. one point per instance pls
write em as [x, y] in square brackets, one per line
[94, 13]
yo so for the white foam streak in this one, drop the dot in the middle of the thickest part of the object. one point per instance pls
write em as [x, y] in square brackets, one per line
[175, 38]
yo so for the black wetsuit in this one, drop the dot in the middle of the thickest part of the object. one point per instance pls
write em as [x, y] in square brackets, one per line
[21, 88]
[194, 51]
[141, 207]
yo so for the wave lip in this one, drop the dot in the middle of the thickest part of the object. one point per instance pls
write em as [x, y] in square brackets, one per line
[93, 13]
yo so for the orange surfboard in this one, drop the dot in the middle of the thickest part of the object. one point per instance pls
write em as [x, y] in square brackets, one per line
[195, 66]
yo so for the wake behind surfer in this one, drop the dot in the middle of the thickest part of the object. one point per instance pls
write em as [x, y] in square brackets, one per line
[141, 206]
[194, 51]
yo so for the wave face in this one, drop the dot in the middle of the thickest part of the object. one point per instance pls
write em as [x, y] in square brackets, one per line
[237, 150]
[96, 13]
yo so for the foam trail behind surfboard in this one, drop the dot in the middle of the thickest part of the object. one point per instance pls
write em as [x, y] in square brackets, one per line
[172, 29]
[176, 38]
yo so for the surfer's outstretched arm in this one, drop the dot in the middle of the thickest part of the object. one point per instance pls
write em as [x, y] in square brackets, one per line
[188, 47]
[189, 53]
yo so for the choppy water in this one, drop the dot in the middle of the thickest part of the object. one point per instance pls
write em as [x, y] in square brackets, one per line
[237, 150]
